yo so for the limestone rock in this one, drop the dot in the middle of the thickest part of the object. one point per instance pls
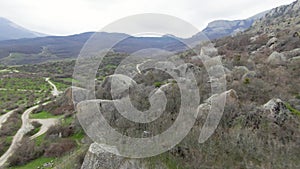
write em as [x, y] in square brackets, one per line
[278, 112]
[276, 59]
[272, 42]
[98, 158]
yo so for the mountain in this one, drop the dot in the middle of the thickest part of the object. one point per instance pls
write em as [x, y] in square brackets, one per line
[221, 28]
[42, 49]
[10, 30]
[38, 50]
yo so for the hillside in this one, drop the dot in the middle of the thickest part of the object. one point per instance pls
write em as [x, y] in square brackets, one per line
[221, 28]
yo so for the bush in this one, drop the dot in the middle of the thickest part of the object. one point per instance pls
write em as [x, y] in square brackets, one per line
[27, 151]
[158, 84]
[60, 148]
[247, 81]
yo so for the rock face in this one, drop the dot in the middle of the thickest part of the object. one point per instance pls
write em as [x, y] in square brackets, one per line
[221, 28]
[272, 42]
[278, 111]
[276, 59]
[98, 158]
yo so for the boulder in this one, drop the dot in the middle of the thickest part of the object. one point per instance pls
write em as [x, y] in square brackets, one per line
[276, 59]
[98, 158]
[277, 111]
[239, 71]
[293, 53]
[249, 75]
[272, 42]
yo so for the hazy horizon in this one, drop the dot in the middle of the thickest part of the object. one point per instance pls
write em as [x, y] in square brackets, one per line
[50, 17]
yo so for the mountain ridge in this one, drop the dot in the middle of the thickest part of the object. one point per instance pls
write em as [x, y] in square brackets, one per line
[10, 30]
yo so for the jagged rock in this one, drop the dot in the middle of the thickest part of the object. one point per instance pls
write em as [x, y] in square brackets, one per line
[271, 35]
[254, 38]
[293, 53]
[272, 42]
[249, 75]
[98, 158]
[295, 59]
[209, 51]
[239, 71]
[276, 59]
[230, 95]
[278, 112]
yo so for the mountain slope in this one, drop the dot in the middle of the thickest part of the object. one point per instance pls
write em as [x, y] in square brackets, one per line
[221, 28]
[37, 50]
[10, 30]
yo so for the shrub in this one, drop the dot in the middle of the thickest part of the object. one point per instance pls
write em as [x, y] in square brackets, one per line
[247, 81]
[158, 84]
[27, 151]
[60, 148]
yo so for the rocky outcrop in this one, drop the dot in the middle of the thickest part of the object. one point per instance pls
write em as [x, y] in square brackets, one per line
[272, 42]
[278, 111]
[98, 158]
[276, 59]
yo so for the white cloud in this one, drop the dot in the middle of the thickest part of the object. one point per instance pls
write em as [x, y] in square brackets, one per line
[60, 17]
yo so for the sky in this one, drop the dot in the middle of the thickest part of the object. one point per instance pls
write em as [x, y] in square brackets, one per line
[66, 17]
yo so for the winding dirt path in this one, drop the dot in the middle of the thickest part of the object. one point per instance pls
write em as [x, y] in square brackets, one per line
[5, 116]
[26, 126]
[46, 124]
[54, 92]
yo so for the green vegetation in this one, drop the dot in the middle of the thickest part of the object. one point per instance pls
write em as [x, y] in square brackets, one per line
[39, 140]
[8, 130]
[293, 110]
[37, 126]
[35, 163]
[43, 115]
[247, 81]
[67, 121]
[61, 86]
[26, 83]
[158, 84]
[22, 90]
[167, 159]
[78, 135]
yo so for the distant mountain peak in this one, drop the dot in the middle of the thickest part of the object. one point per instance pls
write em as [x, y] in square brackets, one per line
[9, 30]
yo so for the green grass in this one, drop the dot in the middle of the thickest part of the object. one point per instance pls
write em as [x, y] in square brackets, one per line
[34, 131]
[24, 91]
[158, 84]
[9, 139]
[293, 110]
[39, 139]
[26, 83]
[42, 115]
[35, 163]
[78, 135]
[67, 121]
[60, 86]
[165, 158]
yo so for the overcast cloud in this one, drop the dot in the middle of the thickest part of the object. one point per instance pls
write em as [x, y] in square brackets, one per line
[64, 17]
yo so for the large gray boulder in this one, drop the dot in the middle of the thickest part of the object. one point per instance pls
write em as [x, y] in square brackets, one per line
[98, 158]
[276, 59]
[277, 110]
